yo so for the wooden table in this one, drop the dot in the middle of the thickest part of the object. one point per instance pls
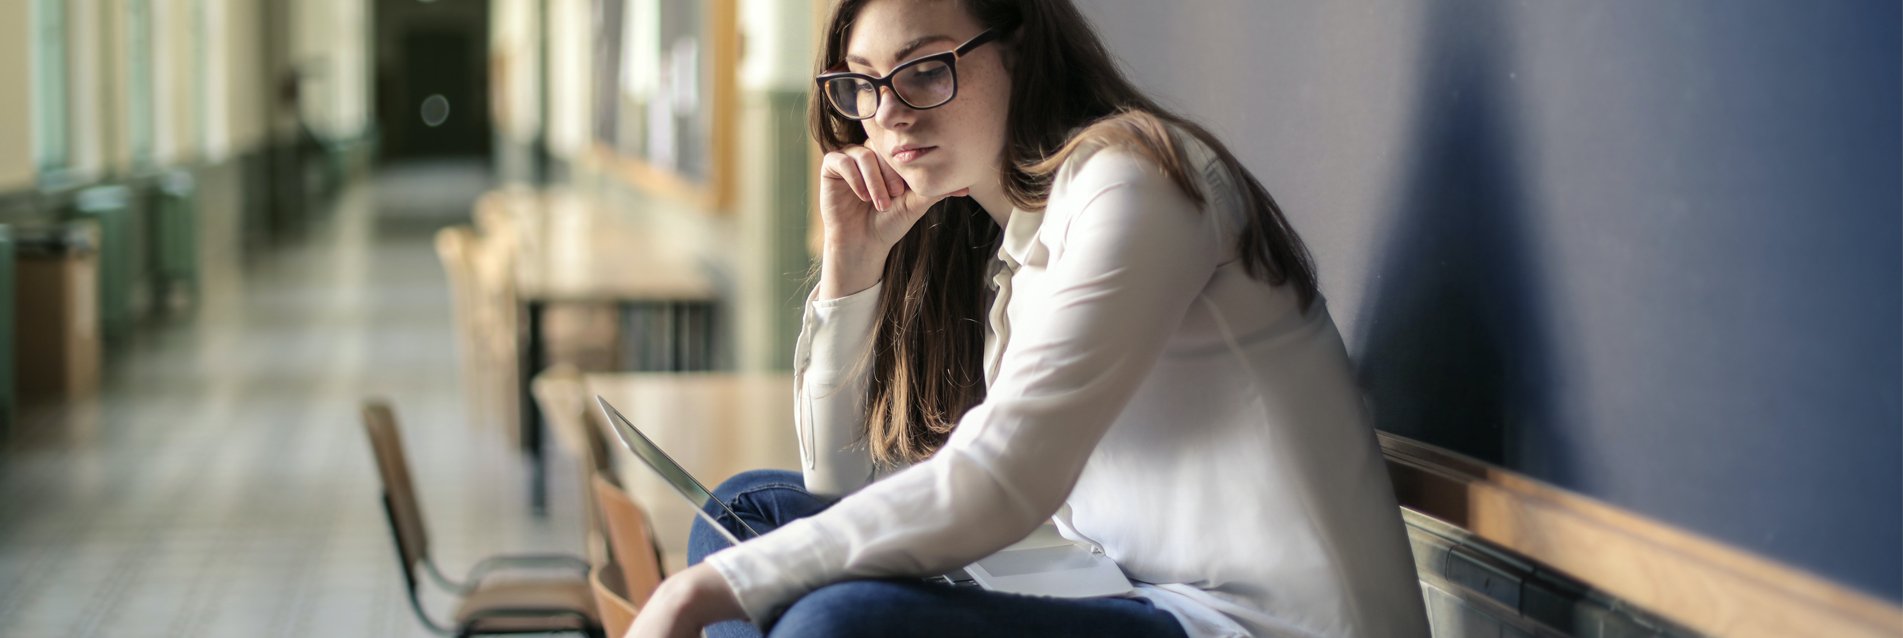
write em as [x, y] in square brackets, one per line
[573, 250]
[714, 424]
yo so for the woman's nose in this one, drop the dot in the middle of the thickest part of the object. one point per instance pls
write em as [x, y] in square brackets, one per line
[893, 112]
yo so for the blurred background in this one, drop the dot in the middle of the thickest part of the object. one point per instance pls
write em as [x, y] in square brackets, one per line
[1646, 255]
[226, 224]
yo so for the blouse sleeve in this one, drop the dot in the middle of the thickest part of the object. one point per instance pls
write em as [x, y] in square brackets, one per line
[830, 368]
[1137, 252]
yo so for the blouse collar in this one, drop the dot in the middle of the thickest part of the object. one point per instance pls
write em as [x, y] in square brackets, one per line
[1020, 232]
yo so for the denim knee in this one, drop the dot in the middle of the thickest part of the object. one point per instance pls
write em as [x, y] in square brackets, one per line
[763, 500]
[847, 609]
[749, 480]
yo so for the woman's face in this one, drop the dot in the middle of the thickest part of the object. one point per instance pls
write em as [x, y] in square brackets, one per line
[961, 144]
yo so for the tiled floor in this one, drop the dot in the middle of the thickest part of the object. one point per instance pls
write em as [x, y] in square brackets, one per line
[221, 485]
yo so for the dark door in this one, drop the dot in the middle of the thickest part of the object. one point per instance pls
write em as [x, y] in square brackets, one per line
[436, 103]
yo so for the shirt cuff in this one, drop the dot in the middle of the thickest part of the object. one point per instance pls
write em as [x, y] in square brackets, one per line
[870, 293]
[767, 574]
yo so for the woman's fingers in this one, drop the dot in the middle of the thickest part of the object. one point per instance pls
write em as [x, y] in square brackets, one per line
[873, 170]
[873, 180]
[841, 167]
[894, 184]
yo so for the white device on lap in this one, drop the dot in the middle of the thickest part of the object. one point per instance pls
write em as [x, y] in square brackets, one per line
[1043, 564]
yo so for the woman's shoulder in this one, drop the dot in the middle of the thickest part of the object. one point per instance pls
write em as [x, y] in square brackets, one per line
[1137, 149]
[1099, 168]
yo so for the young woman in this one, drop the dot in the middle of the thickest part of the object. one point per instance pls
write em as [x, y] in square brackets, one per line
[1041, 297]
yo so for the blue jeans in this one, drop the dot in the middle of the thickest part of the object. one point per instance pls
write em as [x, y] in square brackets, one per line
[767, 499]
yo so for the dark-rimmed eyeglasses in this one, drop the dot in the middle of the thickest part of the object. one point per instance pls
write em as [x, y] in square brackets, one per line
[923, 83]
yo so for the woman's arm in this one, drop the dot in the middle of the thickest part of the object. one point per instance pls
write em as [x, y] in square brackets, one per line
[830, 370]
[866, 208]
[1135, 255]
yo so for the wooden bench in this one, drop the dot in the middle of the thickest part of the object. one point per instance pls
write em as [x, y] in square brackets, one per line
[1503, 554]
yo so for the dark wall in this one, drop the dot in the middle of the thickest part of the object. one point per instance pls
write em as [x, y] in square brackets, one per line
[1644, 251]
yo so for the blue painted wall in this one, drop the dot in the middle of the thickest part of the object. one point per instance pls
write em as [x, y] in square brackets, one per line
[1645, 251]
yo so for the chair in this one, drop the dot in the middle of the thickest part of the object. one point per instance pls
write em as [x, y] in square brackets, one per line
[572, 418]
[611, 597]
[632, 539]
[487, 607]
[491, 261]
[455, 247]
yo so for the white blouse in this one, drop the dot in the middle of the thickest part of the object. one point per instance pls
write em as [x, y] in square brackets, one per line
[1147, 394]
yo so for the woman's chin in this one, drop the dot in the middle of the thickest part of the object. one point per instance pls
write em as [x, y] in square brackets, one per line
[933, 184]
[933, 189]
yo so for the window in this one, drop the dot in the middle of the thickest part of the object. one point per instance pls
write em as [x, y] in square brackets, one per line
[140, 55]
[208, 53]
[52, 151]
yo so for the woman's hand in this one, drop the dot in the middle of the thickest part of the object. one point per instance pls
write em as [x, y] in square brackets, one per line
[685, 603]
[866, 208]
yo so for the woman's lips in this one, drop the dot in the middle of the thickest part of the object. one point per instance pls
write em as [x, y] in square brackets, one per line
[910, 155]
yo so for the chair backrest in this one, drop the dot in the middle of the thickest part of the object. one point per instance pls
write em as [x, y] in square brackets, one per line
[611, 599]
[406, 516]
[455, 246]
[452, 249]
[562, 391]
[595, 436]
[492, 284]
[504, 206]
[632, 539]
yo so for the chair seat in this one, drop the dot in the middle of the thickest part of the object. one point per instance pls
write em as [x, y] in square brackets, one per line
[500, 607]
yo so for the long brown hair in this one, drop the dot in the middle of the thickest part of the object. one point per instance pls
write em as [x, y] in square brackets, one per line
[1067, 96]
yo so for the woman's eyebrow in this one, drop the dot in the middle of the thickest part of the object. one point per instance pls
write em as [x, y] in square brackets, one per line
[904, 51]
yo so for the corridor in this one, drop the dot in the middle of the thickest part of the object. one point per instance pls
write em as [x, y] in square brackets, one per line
[221, 484]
